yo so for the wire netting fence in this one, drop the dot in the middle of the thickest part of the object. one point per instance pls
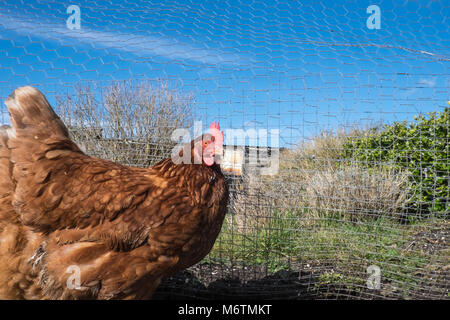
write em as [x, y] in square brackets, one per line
[336, 124]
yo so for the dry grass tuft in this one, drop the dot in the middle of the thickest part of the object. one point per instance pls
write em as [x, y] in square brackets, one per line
[251, 204]
[355, 192]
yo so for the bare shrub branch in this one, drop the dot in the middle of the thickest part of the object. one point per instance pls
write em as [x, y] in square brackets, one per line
[127, 122]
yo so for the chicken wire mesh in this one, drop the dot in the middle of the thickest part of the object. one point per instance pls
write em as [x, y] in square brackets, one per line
[333, 195]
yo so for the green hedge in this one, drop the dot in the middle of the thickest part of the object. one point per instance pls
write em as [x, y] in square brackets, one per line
[420, 147]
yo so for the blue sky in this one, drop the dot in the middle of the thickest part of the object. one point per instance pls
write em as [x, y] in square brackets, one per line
[298, 66]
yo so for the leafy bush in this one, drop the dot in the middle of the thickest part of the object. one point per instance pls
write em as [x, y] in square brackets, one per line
[420, 147]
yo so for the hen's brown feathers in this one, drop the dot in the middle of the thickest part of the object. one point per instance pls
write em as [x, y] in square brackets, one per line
[125, 228]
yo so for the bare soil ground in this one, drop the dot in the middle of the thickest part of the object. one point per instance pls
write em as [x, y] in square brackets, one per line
[207, 281]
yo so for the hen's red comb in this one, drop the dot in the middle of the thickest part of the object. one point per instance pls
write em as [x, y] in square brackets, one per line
[214, 125]
[214, 128]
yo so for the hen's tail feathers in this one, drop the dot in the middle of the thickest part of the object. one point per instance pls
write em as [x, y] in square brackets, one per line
[37, 133]
[5, 131]
[6, 184]
[32, 114]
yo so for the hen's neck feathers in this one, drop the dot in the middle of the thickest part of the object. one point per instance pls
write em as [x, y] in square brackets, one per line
[195, 177]
[166, 168]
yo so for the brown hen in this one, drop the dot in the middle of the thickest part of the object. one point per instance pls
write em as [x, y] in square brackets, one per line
[78, 227]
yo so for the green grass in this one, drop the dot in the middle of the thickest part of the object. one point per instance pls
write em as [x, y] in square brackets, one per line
[348, 248]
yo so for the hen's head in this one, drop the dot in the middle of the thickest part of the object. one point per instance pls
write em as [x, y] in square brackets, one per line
[208, 146]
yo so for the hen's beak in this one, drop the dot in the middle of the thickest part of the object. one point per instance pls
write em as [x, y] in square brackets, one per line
[218, 153]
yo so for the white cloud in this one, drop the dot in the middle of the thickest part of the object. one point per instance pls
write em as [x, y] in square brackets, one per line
[140, 45]
[428, 82]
